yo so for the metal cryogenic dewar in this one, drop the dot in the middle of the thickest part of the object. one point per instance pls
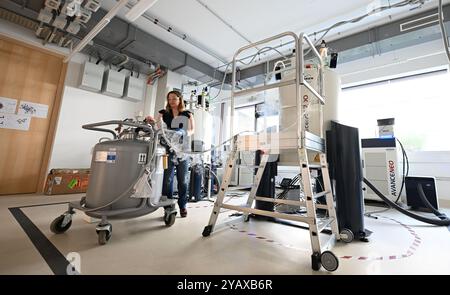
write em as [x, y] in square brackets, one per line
[126, 178]
[311, 118]
[115, 165]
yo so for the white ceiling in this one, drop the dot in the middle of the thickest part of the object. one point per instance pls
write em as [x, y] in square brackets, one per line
[255, 20]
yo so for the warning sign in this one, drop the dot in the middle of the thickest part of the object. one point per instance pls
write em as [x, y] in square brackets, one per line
[142, 158]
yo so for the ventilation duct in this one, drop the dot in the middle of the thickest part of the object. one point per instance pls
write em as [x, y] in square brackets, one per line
[18, 20]
[409, 31]
[419, 22]
[122, 37]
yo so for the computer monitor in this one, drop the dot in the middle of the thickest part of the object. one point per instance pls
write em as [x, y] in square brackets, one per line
[412, 193]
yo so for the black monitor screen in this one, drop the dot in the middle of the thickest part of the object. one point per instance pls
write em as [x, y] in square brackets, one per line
[412, 193]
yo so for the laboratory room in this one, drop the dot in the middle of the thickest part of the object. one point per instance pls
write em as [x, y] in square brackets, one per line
[203, 139]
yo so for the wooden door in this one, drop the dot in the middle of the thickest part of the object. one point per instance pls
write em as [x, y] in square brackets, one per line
[33, 78]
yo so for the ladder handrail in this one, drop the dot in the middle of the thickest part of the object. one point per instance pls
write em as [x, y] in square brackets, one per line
[319, 95]
[264, 41]
[240, 50]
[299, 80]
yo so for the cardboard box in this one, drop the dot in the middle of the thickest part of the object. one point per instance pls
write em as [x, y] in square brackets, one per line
[67, 181]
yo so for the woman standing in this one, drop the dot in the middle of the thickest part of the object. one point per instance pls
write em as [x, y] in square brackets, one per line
[174, 111]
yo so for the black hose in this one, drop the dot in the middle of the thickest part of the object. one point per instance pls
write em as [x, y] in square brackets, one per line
[428, 204]
[405, 162]
[441, 222]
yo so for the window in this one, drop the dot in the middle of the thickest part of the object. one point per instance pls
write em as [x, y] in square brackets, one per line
[420, 105]
[244, 119]
[263, 123]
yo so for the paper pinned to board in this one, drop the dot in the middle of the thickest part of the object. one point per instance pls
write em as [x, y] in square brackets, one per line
[33, 109]
[8, 105]
[13, 121]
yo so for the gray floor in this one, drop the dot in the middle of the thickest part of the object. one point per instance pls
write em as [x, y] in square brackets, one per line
[398, 245]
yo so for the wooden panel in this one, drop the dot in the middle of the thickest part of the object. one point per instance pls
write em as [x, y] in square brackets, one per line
[52, 130]
[33, 75]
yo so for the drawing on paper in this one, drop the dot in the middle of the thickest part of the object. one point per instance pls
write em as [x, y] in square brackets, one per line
[27, 109]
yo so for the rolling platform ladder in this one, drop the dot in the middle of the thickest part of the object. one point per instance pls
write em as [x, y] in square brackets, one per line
[272, 144]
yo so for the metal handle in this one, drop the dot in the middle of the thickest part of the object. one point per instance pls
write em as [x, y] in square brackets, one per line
[94, 126]
[253, 45]
[319, 95]
[312, 47]
[267, 40]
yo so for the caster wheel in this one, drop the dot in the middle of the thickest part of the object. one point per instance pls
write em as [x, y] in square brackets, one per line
[169, 220]
[329, 261]
[347, 236]
[56, 226]
[315, 261]
[207, 231]
[103, 237]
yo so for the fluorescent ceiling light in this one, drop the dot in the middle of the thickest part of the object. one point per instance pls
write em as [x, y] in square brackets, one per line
[139, 9]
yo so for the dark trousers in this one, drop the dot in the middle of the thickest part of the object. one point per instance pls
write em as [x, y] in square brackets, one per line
[182, 179]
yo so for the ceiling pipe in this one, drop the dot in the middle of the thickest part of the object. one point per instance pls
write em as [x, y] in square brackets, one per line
[182, 36]
[139, 8]
[98, 27]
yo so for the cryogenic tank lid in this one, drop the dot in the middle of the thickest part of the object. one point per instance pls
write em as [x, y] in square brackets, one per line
[386, 122]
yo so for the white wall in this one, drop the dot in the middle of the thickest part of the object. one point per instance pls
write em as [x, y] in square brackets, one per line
[416, 59]
[165, 84]
[72, 145]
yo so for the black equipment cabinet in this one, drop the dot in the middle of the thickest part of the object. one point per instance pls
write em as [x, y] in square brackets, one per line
[344, 157]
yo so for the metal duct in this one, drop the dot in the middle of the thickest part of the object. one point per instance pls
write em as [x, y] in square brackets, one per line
[409, 31]
[122, 37]
[130, 40]
[19, 20]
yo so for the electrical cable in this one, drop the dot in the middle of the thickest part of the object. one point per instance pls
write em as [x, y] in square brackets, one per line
[173, 148]
[267, 48]
[405, 157]
[428, 204]
[223, 84]
[130, 188]
[280, 62]
[215, 175]
[126, 192]
[360, 18]
[244, 63]
[443, 220]
[404, 175]
[327, 30]
[290, 186]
